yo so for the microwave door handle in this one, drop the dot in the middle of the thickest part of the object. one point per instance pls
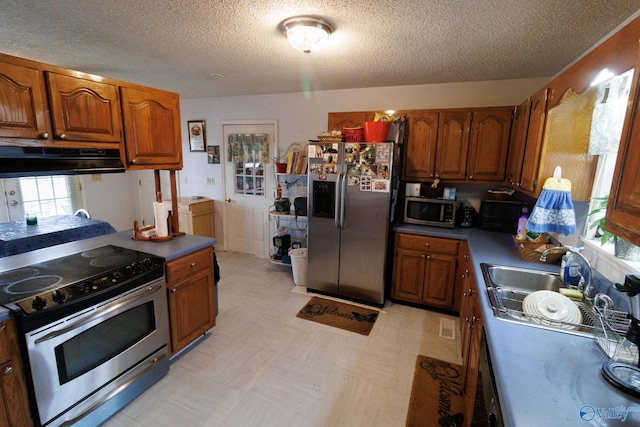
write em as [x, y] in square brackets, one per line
[336, 214]
[343, 195]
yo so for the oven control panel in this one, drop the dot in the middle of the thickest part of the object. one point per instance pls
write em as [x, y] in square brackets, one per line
[94, 285]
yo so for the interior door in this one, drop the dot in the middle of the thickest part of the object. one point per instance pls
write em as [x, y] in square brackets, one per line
[248, 188]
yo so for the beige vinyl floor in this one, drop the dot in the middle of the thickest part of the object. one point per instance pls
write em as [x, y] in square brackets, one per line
[262, 366]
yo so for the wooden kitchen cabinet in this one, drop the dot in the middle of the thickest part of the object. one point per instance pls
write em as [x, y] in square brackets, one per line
[472, 362]
[350, 119]
[454, 128]
[465, 274]
[489, 144]
[152, 128]
[24, 110]
[517, 142]
[424, 270]
[420, 155]
[533, 143]
[191, 296]
[14, 402]
[623, 208]
[84, 109]
[195, 216]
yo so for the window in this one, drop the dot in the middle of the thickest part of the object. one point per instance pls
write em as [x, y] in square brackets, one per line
[44, 195]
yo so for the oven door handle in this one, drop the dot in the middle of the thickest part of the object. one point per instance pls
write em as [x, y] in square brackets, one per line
[102, 311]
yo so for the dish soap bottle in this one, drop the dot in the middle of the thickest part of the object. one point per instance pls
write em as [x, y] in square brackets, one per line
[572, 270]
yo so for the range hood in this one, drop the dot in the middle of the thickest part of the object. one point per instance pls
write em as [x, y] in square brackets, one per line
[30, 161]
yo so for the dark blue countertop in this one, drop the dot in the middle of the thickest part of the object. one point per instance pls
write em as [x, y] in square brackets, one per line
[543, 378]
[17, 237]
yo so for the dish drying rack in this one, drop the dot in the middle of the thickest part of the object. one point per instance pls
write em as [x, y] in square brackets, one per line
[590, 324]
[613, 328]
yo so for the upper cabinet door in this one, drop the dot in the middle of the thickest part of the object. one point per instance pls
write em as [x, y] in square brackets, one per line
[420, 157]
[84, 109]
[338, 121]
[453, 144]
[533, 146]
[488, 144]
[518, 140]
[23, 107]
[152, 129]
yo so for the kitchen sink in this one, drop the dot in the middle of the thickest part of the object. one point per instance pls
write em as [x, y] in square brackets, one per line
[507, 287]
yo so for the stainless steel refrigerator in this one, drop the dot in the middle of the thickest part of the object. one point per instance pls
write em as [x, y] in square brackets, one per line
[349, 194]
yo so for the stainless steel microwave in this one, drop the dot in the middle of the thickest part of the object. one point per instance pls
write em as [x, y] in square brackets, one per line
[433, 212]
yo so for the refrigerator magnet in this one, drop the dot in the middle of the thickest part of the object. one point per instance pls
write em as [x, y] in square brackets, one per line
[380, 185]
[365, 183]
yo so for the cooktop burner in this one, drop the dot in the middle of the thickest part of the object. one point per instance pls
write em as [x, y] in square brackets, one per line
[51, 283]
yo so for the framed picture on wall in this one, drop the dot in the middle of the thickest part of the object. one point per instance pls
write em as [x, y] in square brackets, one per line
[197, 139]
[213, 154]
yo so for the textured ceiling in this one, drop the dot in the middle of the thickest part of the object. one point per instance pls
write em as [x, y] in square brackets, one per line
[177, 44]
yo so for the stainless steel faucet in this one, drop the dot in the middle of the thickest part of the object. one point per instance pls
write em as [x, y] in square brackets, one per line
[586, 286]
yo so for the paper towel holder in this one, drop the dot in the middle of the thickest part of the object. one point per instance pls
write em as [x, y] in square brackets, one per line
[148, 232]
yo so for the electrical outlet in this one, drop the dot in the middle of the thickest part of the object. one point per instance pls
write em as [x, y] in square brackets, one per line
[211, 181]
[185, 179]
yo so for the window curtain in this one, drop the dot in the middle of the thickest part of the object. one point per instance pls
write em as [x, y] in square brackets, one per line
[608, 114]
[248, 148]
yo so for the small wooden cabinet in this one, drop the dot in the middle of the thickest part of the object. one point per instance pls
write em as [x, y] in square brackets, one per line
[420, 151]
[24, 110]
[519, 131]
[152, 128]
[424, 270]
[195, 216]
[84, 109]
[488, 144]
[351, 119]
[470, 330]
[453, 145]
[623, 209]
[14, 403]
[191, 296]
[533, 143]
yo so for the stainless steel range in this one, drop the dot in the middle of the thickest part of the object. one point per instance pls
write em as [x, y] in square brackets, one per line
[94, 330]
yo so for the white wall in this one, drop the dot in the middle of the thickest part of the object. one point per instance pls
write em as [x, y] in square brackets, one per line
[114, 198]
[302, 116]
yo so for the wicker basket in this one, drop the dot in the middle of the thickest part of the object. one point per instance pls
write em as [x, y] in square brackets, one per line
[530, 252]
[329, 138]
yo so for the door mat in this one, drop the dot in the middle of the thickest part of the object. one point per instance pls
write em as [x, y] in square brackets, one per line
[341, 315]
[437, 394]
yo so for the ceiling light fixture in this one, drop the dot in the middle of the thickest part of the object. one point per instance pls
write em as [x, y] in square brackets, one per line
[306, 33]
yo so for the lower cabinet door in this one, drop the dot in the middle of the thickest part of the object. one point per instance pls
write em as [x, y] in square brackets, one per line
[191, 309]
[439, 284]
[409, 271]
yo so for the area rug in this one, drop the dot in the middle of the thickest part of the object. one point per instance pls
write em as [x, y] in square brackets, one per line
[437, 394]
[341, 315]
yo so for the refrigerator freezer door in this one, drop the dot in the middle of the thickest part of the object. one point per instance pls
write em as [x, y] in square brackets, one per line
[323, 234]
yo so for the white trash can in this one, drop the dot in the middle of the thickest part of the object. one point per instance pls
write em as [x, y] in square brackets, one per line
[299, 266]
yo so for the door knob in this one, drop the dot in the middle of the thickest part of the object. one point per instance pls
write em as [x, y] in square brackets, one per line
[12, 193]
[13, 203]
[227, 200]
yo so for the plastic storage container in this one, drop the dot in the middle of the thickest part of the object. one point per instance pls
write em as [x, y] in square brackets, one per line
[299, 266]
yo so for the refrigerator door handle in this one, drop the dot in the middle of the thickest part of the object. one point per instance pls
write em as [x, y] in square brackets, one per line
[337, 203]
[343, 194]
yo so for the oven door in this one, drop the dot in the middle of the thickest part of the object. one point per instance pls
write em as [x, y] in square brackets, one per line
[85, 358]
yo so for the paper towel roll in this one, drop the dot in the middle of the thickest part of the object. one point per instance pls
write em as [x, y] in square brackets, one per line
[160, 214]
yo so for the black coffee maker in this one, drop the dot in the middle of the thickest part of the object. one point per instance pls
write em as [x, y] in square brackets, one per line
[282, 245]
[623, 370]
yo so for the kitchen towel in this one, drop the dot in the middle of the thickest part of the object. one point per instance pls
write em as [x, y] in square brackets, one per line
[554, 209]
[160, 215]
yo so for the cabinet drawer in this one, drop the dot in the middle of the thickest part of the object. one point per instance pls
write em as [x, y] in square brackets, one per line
[425, 243]
[189, 264]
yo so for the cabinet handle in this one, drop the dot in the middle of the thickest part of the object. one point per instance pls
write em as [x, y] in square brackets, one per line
[62, 136]
[470, 176]
[193, 264]
[44, 135]
[134, 161]
[423, 256]
[428, 256]
[426, 244]
[173, 291]
[8, 370]
[3, 327]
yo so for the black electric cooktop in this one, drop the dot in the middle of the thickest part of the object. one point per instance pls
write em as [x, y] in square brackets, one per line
[60, 280]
